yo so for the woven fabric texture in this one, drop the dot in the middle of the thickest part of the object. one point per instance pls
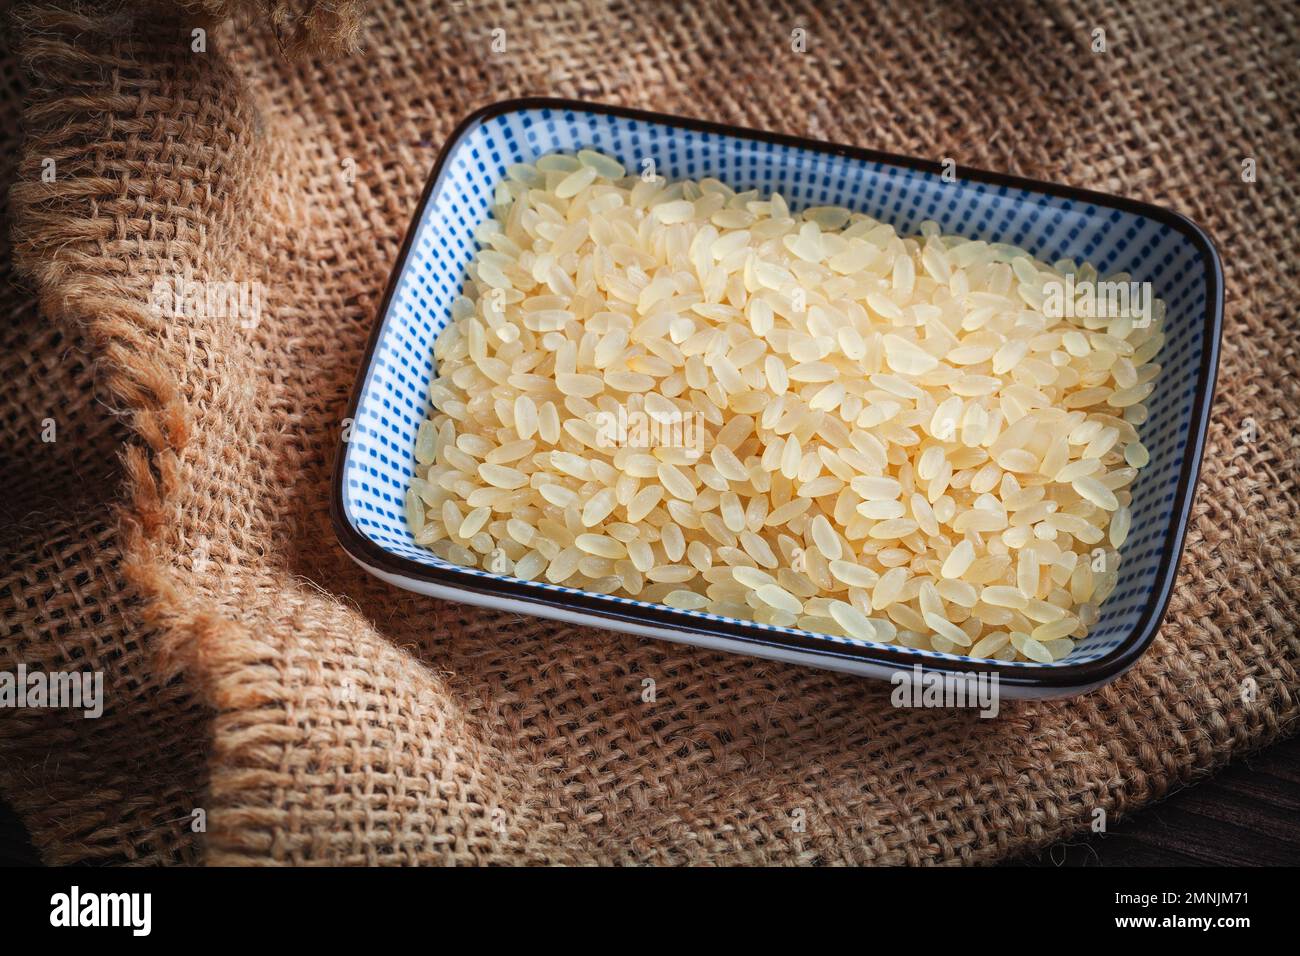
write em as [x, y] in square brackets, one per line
[175, 535]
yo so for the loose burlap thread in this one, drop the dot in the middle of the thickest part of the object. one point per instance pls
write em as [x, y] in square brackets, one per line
[175, 535]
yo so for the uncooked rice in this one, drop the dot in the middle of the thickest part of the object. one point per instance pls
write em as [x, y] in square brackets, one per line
[899, 443]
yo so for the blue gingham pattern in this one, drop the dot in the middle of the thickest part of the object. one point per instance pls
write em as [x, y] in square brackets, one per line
[393, 401]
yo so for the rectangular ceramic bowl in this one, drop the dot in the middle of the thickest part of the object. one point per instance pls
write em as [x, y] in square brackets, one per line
[375, 463]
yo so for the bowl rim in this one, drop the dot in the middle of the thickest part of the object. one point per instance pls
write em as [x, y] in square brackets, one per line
[1077, 677]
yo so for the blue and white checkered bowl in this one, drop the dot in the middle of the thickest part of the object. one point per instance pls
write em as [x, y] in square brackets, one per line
[375, 463]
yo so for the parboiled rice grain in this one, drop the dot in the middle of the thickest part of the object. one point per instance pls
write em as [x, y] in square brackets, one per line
[895, 441]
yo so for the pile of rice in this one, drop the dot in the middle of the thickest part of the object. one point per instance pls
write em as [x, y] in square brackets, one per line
[898, 444]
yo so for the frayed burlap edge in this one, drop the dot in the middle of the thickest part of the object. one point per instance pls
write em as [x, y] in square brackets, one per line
[303, 27]
[58, 247]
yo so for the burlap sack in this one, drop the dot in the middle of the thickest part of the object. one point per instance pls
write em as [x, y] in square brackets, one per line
[176, 535]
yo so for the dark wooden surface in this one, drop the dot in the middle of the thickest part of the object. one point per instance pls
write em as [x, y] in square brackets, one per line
[15, 848]
[1247, 815]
